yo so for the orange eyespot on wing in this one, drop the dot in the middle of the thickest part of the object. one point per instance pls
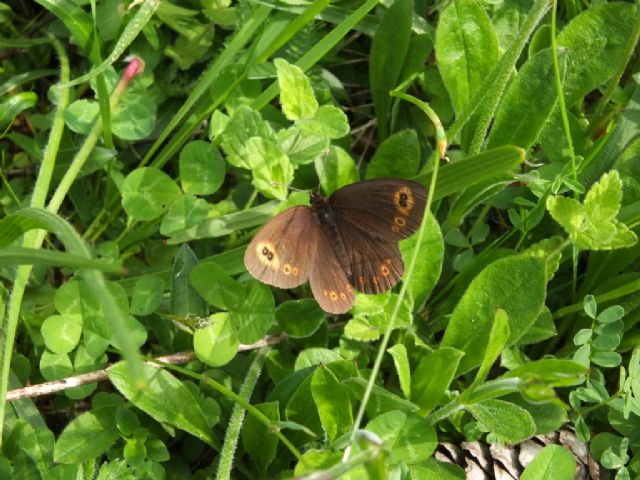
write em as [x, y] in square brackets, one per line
[281, 253]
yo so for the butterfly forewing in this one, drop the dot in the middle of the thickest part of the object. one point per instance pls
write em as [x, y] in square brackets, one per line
[329, 283]
[282, 252]
[390, 209]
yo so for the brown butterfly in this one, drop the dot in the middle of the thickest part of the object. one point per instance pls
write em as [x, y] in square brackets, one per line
[345, 242]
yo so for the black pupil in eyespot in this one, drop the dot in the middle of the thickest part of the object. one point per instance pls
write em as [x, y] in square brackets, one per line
[265, 251]
[403, 199]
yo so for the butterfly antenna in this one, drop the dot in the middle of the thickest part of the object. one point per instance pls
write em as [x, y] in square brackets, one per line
[289, 187]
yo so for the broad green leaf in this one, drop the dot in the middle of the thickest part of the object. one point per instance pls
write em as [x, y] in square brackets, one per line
[185, 300]
[272, 171]
[432, 469]
[554, 372]
[596, 43]
[398, 156]
[134, 118]
[567, 212]
[315, 460]
[498, 339]
[187, 211]
[147, 295]
[256, 314]
[215, 285]
[553, 462]
[611, 314]
[515, 284]
[550, 250]
[54, 366]
[329, 121]
[296, 95]
[361, 330]
[466, 48]
[202, 168]
[148, 192]
[81, 115]
[543, 328]
[336, 170]
[332, 402]
[433, 376]
[388, 54]
[429, 262]
[408, 436]
[593, 225]
[401, 361]
[310, 357]
[302, 147]
[244, 124]
[257, 439]
[36, 443]
[526, 105]
[164, 398]
[98, 425]
[61, 333]
[217, 343]
[507, 421]
[300, 318]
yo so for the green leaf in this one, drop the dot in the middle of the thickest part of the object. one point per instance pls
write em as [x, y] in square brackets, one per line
[408, 436]
[553, 462]
[164, 398]
[185, 300]
[55, 366]
[432, 469]
[311, 357]
[300, 318]
[388, 54]
[187, 211]
[244, 124]
[147, 295]
[14, 106]
[403, 368]
[507, 421]
[596, 43]
[216, 286]
[256, 314]
[593, 226]
[606, 359]
[551, 371]
[543, 328]
[202, 168]
[515, 284]
[217, 343]
[433, 376]
[259, 442]
[296, 95]
[98, 425]
[13, 227]
[148, 192]
[611, 314]
[527, 104]
[272, 171]
[428, 265]
[61, 333]
[498, 339]
[466, 48]
[398, 156]
[302, 147]
[329, 121]
[568, 213]
[332, 401]
[336, 170]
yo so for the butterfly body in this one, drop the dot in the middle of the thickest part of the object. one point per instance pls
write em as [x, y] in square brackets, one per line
[345, 242]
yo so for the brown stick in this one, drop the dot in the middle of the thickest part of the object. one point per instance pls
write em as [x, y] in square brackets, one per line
[100, 375]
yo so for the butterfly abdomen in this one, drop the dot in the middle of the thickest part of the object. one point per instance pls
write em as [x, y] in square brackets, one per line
[326, 218]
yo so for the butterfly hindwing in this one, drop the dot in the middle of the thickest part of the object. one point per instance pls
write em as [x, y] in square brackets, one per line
[375, 265]
[282, 252]
[390, 209]
[329, 283]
